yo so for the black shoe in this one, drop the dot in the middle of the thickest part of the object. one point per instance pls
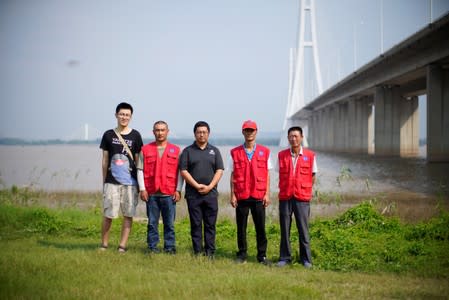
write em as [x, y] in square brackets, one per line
[170, 251]
[153, 251]
[264, 261]
[240, 260]
[209, 255]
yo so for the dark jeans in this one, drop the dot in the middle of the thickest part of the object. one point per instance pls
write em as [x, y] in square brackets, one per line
[203, 210]
[165, 206]
[301, 210]
[258, 214]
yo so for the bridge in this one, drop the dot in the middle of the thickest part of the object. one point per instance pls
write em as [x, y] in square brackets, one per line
[86, 132]
[374, 110]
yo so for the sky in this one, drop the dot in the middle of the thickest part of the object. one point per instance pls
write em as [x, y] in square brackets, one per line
[66, 63]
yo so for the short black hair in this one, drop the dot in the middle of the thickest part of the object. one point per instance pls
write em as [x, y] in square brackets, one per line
[160, 122]
[123, 105]
[294, 128]
[201, 124]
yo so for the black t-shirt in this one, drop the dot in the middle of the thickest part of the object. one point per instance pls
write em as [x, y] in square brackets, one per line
[202, 165]
[111, 143]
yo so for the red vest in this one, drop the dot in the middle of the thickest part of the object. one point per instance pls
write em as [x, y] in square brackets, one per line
[297, 183]
[250, 177]
[160, 173]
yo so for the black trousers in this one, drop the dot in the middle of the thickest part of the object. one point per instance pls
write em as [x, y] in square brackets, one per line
[203, 210]
[301, 210]
[258, 214]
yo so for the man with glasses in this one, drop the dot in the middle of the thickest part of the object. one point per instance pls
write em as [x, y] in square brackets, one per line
[120, 150]
[250, 190]
[201, 166]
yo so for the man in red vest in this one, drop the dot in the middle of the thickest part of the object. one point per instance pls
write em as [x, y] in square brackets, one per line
[160, 186]
[297, 168]
[250, 189]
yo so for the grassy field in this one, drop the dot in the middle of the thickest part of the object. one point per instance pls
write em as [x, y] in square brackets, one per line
[52, 252]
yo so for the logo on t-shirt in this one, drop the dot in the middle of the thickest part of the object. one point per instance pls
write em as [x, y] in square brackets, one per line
[211, 152]
[121, 170]
[119, 162]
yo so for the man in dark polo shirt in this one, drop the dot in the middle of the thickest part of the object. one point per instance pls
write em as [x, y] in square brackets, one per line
[201, 166]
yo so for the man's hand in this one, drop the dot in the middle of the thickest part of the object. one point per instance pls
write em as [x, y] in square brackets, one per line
[233, 200]
[143, 195]
[203, 189]
[266, 201]
[177, 196]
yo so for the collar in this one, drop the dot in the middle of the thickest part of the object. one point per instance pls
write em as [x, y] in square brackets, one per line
[197, 147]
[249, 152]
[300, 152]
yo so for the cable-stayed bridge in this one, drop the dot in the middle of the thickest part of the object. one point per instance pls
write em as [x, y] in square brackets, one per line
[375, 109]
[85, 132]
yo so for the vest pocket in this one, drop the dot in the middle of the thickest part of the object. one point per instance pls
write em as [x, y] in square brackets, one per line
[150, 161]
[261, 163]
[284, 166]
[150, 157]
[261, 183]
[306, 188]
[239, 164]
[172, 160]
[171, 176]
[305, 169]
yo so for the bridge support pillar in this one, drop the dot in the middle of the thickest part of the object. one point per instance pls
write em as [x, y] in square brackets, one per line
[327, 122]
[386, 122]
[315, 131]
[409, 131]
[371, 128]
[359, 113]
[396, 123]
[340, 127]
[437, 114]
[318, 130]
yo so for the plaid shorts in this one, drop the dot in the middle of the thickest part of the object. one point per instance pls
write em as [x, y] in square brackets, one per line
[118, 196]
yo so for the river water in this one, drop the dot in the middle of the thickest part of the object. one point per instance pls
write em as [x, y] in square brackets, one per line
[78, 168]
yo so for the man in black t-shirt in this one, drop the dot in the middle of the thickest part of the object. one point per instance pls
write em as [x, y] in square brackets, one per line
[120, 191]
[201, 166]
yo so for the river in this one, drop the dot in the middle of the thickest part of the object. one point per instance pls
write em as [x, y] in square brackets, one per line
[78, 168]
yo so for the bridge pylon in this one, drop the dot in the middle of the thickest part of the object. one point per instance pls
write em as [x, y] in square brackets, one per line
[86, 132]
[297, 71]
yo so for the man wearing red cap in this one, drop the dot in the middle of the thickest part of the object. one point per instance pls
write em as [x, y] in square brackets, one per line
[250, 189]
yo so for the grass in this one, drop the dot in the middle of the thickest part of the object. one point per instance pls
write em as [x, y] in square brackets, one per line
[52, 253]
[72, 268]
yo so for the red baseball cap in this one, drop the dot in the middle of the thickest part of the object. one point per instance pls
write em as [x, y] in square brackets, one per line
[249, 124]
